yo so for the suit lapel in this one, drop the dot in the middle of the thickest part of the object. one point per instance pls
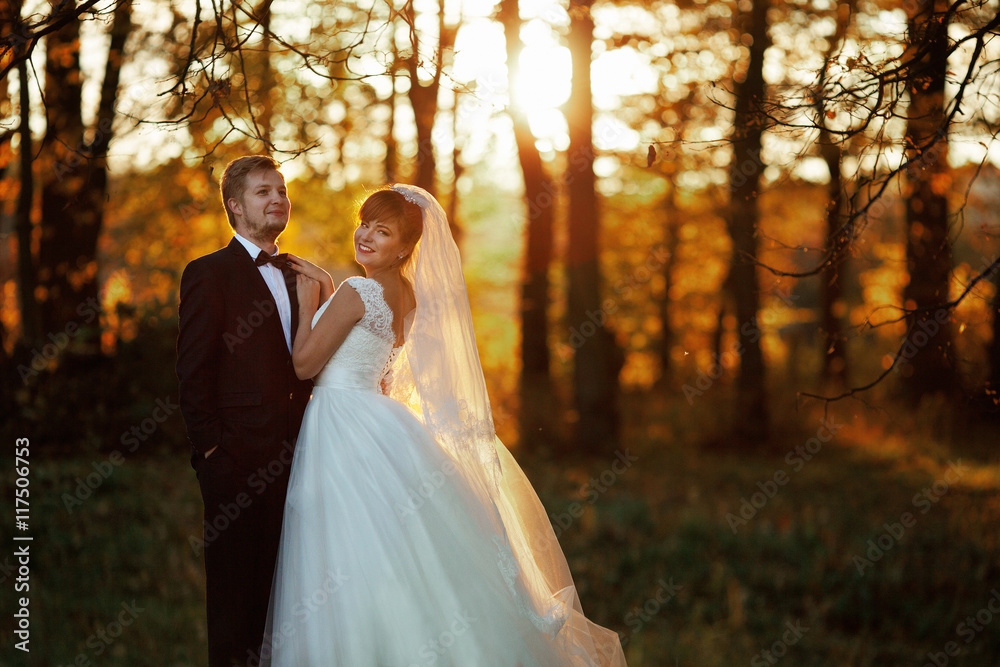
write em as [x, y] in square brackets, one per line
[293, 299]
[247, 267]
[256, 283]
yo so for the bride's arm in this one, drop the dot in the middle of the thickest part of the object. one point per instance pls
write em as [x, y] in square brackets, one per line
[313, 346]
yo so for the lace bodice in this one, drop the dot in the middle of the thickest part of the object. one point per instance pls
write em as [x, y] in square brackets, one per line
[363, 357]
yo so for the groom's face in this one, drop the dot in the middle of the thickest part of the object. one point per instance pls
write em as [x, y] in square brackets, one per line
[262, 211]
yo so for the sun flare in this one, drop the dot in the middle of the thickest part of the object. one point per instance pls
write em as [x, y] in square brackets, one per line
[542, 87]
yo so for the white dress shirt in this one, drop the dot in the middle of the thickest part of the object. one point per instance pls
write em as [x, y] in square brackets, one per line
[276, 283]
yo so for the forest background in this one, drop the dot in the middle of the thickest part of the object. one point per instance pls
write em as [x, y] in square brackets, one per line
[733, 267]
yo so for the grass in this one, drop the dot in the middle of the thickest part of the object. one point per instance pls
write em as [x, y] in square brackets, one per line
[113, 581]
[794, 561]
[650, 545]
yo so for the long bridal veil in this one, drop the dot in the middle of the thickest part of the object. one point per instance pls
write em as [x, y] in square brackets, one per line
[438, 375]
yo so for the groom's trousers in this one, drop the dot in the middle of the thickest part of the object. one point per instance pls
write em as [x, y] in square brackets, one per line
[243, 511]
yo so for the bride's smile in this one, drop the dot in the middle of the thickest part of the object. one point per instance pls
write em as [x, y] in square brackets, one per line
[376, 243]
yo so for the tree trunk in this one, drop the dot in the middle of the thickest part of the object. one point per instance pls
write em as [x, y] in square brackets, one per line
[423, 99]
[536, 393]
[74, 186]
[670, 242]
[744, 179]
[835, 343]
[928, 349]
[31, 326]
[67, 270]
[456, 170]
[424, 104]
[720, 331]
[31, 329]
[266, 82]
[10, 25]
[994, 381]
[391, 152]
[597, 359]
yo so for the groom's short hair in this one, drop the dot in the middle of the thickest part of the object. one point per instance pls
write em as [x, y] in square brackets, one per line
[234, 178]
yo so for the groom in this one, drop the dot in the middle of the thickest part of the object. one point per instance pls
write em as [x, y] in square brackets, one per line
[242, 402]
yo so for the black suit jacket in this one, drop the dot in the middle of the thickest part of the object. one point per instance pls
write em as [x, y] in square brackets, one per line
[238, 389]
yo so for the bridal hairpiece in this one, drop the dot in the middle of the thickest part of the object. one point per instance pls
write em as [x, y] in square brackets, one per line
[411, 195]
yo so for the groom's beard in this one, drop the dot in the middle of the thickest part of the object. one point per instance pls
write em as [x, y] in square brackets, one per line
[265, 231]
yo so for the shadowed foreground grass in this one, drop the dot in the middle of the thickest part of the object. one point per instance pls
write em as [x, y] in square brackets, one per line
[822, 567]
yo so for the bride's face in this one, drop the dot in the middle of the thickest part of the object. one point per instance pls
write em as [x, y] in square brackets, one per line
[378, 244]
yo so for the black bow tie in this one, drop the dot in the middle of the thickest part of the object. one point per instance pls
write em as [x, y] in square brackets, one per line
[280, 260]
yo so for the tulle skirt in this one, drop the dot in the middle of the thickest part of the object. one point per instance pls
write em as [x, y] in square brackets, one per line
[393, 555]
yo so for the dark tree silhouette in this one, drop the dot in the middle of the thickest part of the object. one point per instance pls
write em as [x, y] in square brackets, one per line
[31, 325]
[908, 88]
[391, 147]
[424, 96]
[744, 180]
[994, 381]
[537, 398]
[263, 80]
[834, 339]
[671, 242]
[74, 180]
[597, 359]
[928, 247]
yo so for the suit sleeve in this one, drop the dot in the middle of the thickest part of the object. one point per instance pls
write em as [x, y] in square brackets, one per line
[201, 314]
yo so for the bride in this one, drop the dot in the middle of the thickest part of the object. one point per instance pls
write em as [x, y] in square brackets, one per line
[411, 537]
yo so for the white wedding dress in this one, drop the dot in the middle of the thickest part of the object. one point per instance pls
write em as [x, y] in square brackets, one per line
[411, 537]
